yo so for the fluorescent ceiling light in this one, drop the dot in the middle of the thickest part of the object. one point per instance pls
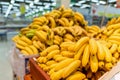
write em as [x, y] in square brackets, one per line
[8, 10]
[97, 3]
[31, 4]
[6, 3]
[28, 1]
[18, 14]
[81, 2]
[102, 2]
[78, 4]
[53, 4]
[84, 6]
[39, 3]
[35, 1]
[112, 0]
[20, 0]
[12, 1]
[27, 7]
[40, 8]
[15, 4]
[94, 0]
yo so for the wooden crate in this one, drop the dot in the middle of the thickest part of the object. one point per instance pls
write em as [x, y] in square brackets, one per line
[37, 72]
[28, 77]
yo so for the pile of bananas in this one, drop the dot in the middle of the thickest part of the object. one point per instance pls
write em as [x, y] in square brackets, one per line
[68, 48]
[113, 21]
[52, 28]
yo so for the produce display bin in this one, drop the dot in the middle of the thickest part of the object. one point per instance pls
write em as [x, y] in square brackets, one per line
[37, 72]
[28, 77]
[20, 63]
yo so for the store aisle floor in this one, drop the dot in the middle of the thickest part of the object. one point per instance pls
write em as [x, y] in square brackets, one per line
[5, 67]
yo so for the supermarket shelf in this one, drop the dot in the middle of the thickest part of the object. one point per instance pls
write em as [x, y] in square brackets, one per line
[16, 26]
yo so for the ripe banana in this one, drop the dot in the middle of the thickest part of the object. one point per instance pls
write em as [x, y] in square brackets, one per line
[52, 22]
[25, 39]
[61, 22]
[101, 64]
[24, 52]
[80, 43]
[52, 54]
[101, 52]
[86, 55]
[93, 46]
[34, 49]
[113, 26]
[49, 49]
[67, 14]
[65, 20]
[116, 55]
[108, 66]
[19, 46]
[67, 54]
[70, 68]
[69, 36]
[41, 35]
[93, 63]
[28, 49]
[113, 48]
[36, 44]
[78, 54]
[108, 54]
[22, 43]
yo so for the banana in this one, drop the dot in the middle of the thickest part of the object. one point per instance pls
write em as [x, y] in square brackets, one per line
[15, 38]
[114, 60]
[70, 68]
[108, 54]
[113, 26]
[79, 17]
[49, 49]
[61, 22]
[108, 66]
[22, 43]
[101, 64]
[36, 44]
[114, 42]
[118, 20]
[78, 55]
[19, 46]
[65, 20]
[25, 39]
[118, 49]
[41, 35]
[24, 52]
[41, 45]
[34, 49]
[69, 36]
[71, 23]
[28, 49]
[113, 48]
[110, 32]
[117, 38]
[67, 14]
[86, 55]
[101, 52]
[52, 22]
[67, 54]
[35, 38]
[93, 46]
[93, 63]
[80, 43]
[52, 54]
[24, 29]
[34, 26]
[116, 55]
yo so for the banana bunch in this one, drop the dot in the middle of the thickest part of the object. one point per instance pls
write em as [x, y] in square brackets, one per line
[113, 21]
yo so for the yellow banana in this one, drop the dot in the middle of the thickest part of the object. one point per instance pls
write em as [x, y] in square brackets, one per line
[113, 26]
[15, 38]
[114, 42]
[65, 20]
[93, 63]
[19, 46]
[118, 20]
[113, 48]
[61, 22]
[34, 49]
[77, 76]
[52, 54]
[35, 38]
[67, 14]
[22, 43]
[108, 54]
[69, 36]
[65, 45]
[25, 39]
[108, 66]
[28, 49]
[70, 68]
[117, 38]
[78, 55]
[101, 52]
[41, 35]
[86, 55]
[67, 54]
[63, 64]
[41, 45]
[116, 55]
[36, 44]
[71, 23]
[110, 32]
[93, 46]
[114, 60]
[49, 49]
[80, 43]
[52, 22]
[24, 52]
[101, 64]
